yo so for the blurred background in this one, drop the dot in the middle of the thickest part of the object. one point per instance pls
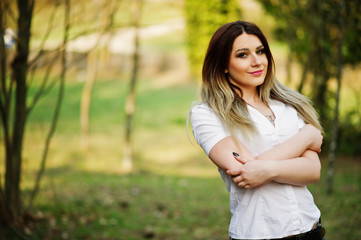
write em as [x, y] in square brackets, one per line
[94, 142]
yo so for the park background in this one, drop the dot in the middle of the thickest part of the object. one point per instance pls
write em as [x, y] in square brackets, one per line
[106, 152]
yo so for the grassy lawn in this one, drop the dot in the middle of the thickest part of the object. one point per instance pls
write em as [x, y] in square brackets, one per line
[174, 193]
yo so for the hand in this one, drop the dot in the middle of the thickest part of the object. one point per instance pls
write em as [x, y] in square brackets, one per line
[315, 137]
[252, 173]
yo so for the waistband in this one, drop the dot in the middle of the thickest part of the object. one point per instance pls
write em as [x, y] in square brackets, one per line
[316, 233]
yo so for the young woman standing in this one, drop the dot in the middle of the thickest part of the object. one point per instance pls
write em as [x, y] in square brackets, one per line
[264, 138]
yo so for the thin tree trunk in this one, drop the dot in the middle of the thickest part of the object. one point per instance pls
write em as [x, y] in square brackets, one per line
[319, 98]
[14, 153]
[289, 69]
[3, 103]
[92, 68]
[86, 98]
[130, 101]
[334, 130]
[303, 77]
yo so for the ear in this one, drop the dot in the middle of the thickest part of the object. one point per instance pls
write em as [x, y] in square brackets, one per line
[226, 71]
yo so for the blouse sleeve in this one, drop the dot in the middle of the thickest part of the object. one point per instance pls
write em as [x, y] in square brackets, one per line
[301, 123]
[207, 127]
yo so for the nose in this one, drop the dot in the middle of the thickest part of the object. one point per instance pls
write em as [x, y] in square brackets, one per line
[256, 60]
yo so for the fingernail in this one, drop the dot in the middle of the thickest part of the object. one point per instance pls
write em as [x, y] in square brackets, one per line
[235, 154]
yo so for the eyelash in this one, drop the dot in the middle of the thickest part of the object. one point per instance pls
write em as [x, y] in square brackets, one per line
[261, 51]
[243, 55]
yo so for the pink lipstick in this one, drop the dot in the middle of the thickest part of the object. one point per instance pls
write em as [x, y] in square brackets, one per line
[257, 73]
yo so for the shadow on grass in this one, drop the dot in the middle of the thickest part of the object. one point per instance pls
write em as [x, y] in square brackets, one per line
[76, 204]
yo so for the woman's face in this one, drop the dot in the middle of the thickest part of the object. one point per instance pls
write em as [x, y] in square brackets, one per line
[248, 62]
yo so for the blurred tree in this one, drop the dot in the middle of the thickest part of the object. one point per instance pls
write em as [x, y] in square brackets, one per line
[310, 28]
[108, 9]
[13, 122]
[324, 36]
[57, 106]
[203, 19]
[130, 100]
[15, 106]
[334, 127]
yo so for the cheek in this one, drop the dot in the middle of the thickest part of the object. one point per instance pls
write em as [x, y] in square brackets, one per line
[237, 68]
[265, 61]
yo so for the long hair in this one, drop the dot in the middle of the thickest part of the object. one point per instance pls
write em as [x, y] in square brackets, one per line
[220, 94]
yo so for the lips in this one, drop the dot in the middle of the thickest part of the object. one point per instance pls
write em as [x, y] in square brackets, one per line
[257, 73]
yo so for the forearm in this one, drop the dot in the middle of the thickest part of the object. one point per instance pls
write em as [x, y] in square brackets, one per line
[297, 171]
[292, 148]
[221, 154]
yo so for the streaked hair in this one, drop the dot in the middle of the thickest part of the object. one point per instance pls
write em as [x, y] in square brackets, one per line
[220, 94]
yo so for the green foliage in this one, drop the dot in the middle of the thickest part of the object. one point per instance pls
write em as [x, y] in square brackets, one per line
[203, 19]
[349, 135]
[352, 31]
[314, 31]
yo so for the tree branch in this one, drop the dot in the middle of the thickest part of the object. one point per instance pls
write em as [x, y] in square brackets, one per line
[58, 104]
[43, 88]
[46, 36]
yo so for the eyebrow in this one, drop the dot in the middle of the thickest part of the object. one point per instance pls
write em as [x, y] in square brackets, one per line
[246, 49]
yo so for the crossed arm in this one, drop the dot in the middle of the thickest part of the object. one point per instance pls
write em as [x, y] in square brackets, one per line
[294, 161]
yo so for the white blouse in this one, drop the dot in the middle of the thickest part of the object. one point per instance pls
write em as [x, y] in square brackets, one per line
[274, 210]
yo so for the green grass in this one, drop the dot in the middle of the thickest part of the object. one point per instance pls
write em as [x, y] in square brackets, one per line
[341, 210]
[175, 191]
[107, 206]
[77, 204]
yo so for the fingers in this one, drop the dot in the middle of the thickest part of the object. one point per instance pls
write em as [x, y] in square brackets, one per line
[237, 179]
[241, 182]
[239, 158]
[244, 185]
[233, 172]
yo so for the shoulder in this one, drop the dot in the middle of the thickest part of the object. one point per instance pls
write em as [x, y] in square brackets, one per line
[202, 111]
[201, 107]
[207, 127]
[203, 115]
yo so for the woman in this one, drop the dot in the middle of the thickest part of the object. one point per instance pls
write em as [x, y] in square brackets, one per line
[263, 137]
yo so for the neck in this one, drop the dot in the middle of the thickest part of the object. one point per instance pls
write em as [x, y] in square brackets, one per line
[251, 96]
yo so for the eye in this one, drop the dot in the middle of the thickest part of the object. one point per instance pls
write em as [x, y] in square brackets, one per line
[261, 51]
[242, 55]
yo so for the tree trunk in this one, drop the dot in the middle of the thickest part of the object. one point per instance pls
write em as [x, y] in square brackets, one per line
[334, 127]
[86, 98]
[92, 69]
[289, 69]
[303, 77]
[130, 101]
[3, 105]
[12, 198]
[319, 98]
